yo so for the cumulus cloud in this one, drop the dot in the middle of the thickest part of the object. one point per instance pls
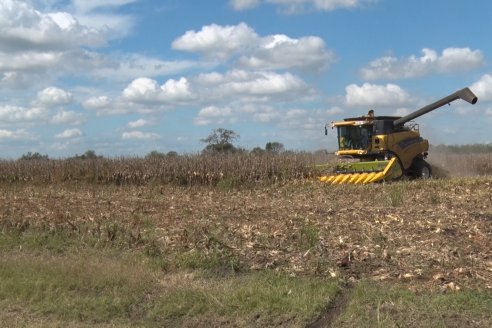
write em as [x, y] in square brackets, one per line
[137, 124]
[256, 85]
[251, 51]
[483, 88]
[217, 41]
[16, 114]
[69, 134]
[139, 135]
[19, 134]
[25, 28]
[99, 102]
[145, 90]
[235, 85]
[214, 115]
[296, 6]
[133, 66]
[367, 95]
[261, 83]
[85, 6]
[266, 115]
[53, 96]
[450, 60]
[29, 60]
[244, 4]
[282, 52]
[68, 117]
[334, 111]
[39, 45]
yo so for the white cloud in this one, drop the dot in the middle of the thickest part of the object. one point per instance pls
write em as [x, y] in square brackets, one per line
[402, 111]
[139, 135]
[69, 134]
[214, 115]
[296, 6]
[24, 27]
[15, 114]
[20, 134]
[236, 87]
[137, 124]
[99, 102]
[85, 6]
[262, 83]
[244, 4]
[282, 52]
[68, 117]
[271, 52]
[483, 88]
[450, 60]
[217, 41]
[267, 115]
[334, 111]
[53, 96]
[294, 114]
[369, 95]
[251, 85]
[134, 66]
[29, 60]
[240, 87]
[100, 15]
[145, 90]
[39, 44]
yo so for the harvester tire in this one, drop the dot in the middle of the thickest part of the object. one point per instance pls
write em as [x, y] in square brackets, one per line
[420, 169]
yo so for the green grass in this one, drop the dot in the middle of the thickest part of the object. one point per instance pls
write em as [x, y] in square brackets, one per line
[384, 305]
[88, 288]
[43, 286]
[255, 299]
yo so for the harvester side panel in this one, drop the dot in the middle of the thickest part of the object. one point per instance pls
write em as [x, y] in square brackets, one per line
[407, 145]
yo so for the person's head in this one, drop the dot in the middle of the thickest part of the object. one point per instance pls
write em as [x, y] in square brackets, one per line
[371, 113]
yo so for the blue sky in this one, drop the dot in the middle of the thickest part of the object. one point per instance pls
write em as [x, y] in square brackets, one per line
[126, 77]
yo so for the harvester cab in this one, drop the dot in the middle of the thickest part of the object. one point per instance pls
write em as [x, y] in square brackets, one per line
[383, 147]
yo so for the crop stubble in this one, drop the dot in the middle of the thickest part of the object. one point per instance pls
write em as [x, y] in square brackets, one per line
[427, 234]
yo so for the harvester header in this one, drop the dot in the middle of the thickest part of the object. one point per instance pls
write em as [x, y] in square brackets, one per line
[384, 146]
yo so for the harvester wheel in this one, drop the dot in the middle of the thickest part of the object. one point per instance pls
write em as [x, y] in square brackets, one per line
[420, 169]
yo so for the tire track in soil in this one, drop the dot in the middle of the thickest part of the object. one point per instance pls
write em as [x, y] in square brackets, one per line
[334, 309]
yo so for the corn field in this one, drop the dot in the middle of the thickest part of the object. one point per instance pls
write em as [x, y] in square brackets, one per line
[184, 170]
[228, 169]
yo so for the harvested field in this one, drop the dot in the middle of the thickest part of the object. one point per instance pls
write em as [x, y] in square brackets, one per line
[431, 234]
[198, 241]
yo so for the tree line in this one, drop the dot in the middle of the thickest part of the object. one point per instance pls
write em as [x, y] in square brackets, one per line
[218, 141]
[223, 141]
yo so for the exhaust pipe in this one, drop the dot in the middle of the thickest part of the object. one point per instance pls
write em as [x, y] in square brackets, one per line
[466, 94]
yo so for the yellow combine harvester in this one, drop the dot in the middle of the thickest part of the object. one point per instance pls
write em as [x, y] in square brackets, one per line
[385, 147]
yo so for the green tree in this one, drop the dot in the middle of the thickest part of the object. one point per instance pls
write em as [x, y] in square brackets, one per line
[33, 156]
[155, 155]
[258, 151]
[89, 154]
[274, 147]
[220, 140]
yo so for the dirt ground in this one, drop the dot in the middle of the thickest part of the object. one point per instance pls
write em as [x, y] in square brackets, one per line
[433, 234]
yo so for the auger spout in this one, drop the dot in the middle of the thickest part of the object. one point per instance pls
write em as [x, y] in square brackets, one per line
[466, 94]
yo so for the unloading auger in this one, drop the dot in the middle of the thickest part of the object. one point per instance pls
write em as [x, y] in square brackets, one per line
[386, 148]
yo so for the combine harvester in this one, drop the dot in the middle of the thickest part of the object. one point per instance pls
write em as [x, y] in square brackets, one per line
[386, 148]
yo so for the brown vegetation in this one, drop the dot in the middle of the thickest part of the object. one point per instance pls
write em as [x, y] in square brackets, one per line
[188, 170]
[247, 214]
